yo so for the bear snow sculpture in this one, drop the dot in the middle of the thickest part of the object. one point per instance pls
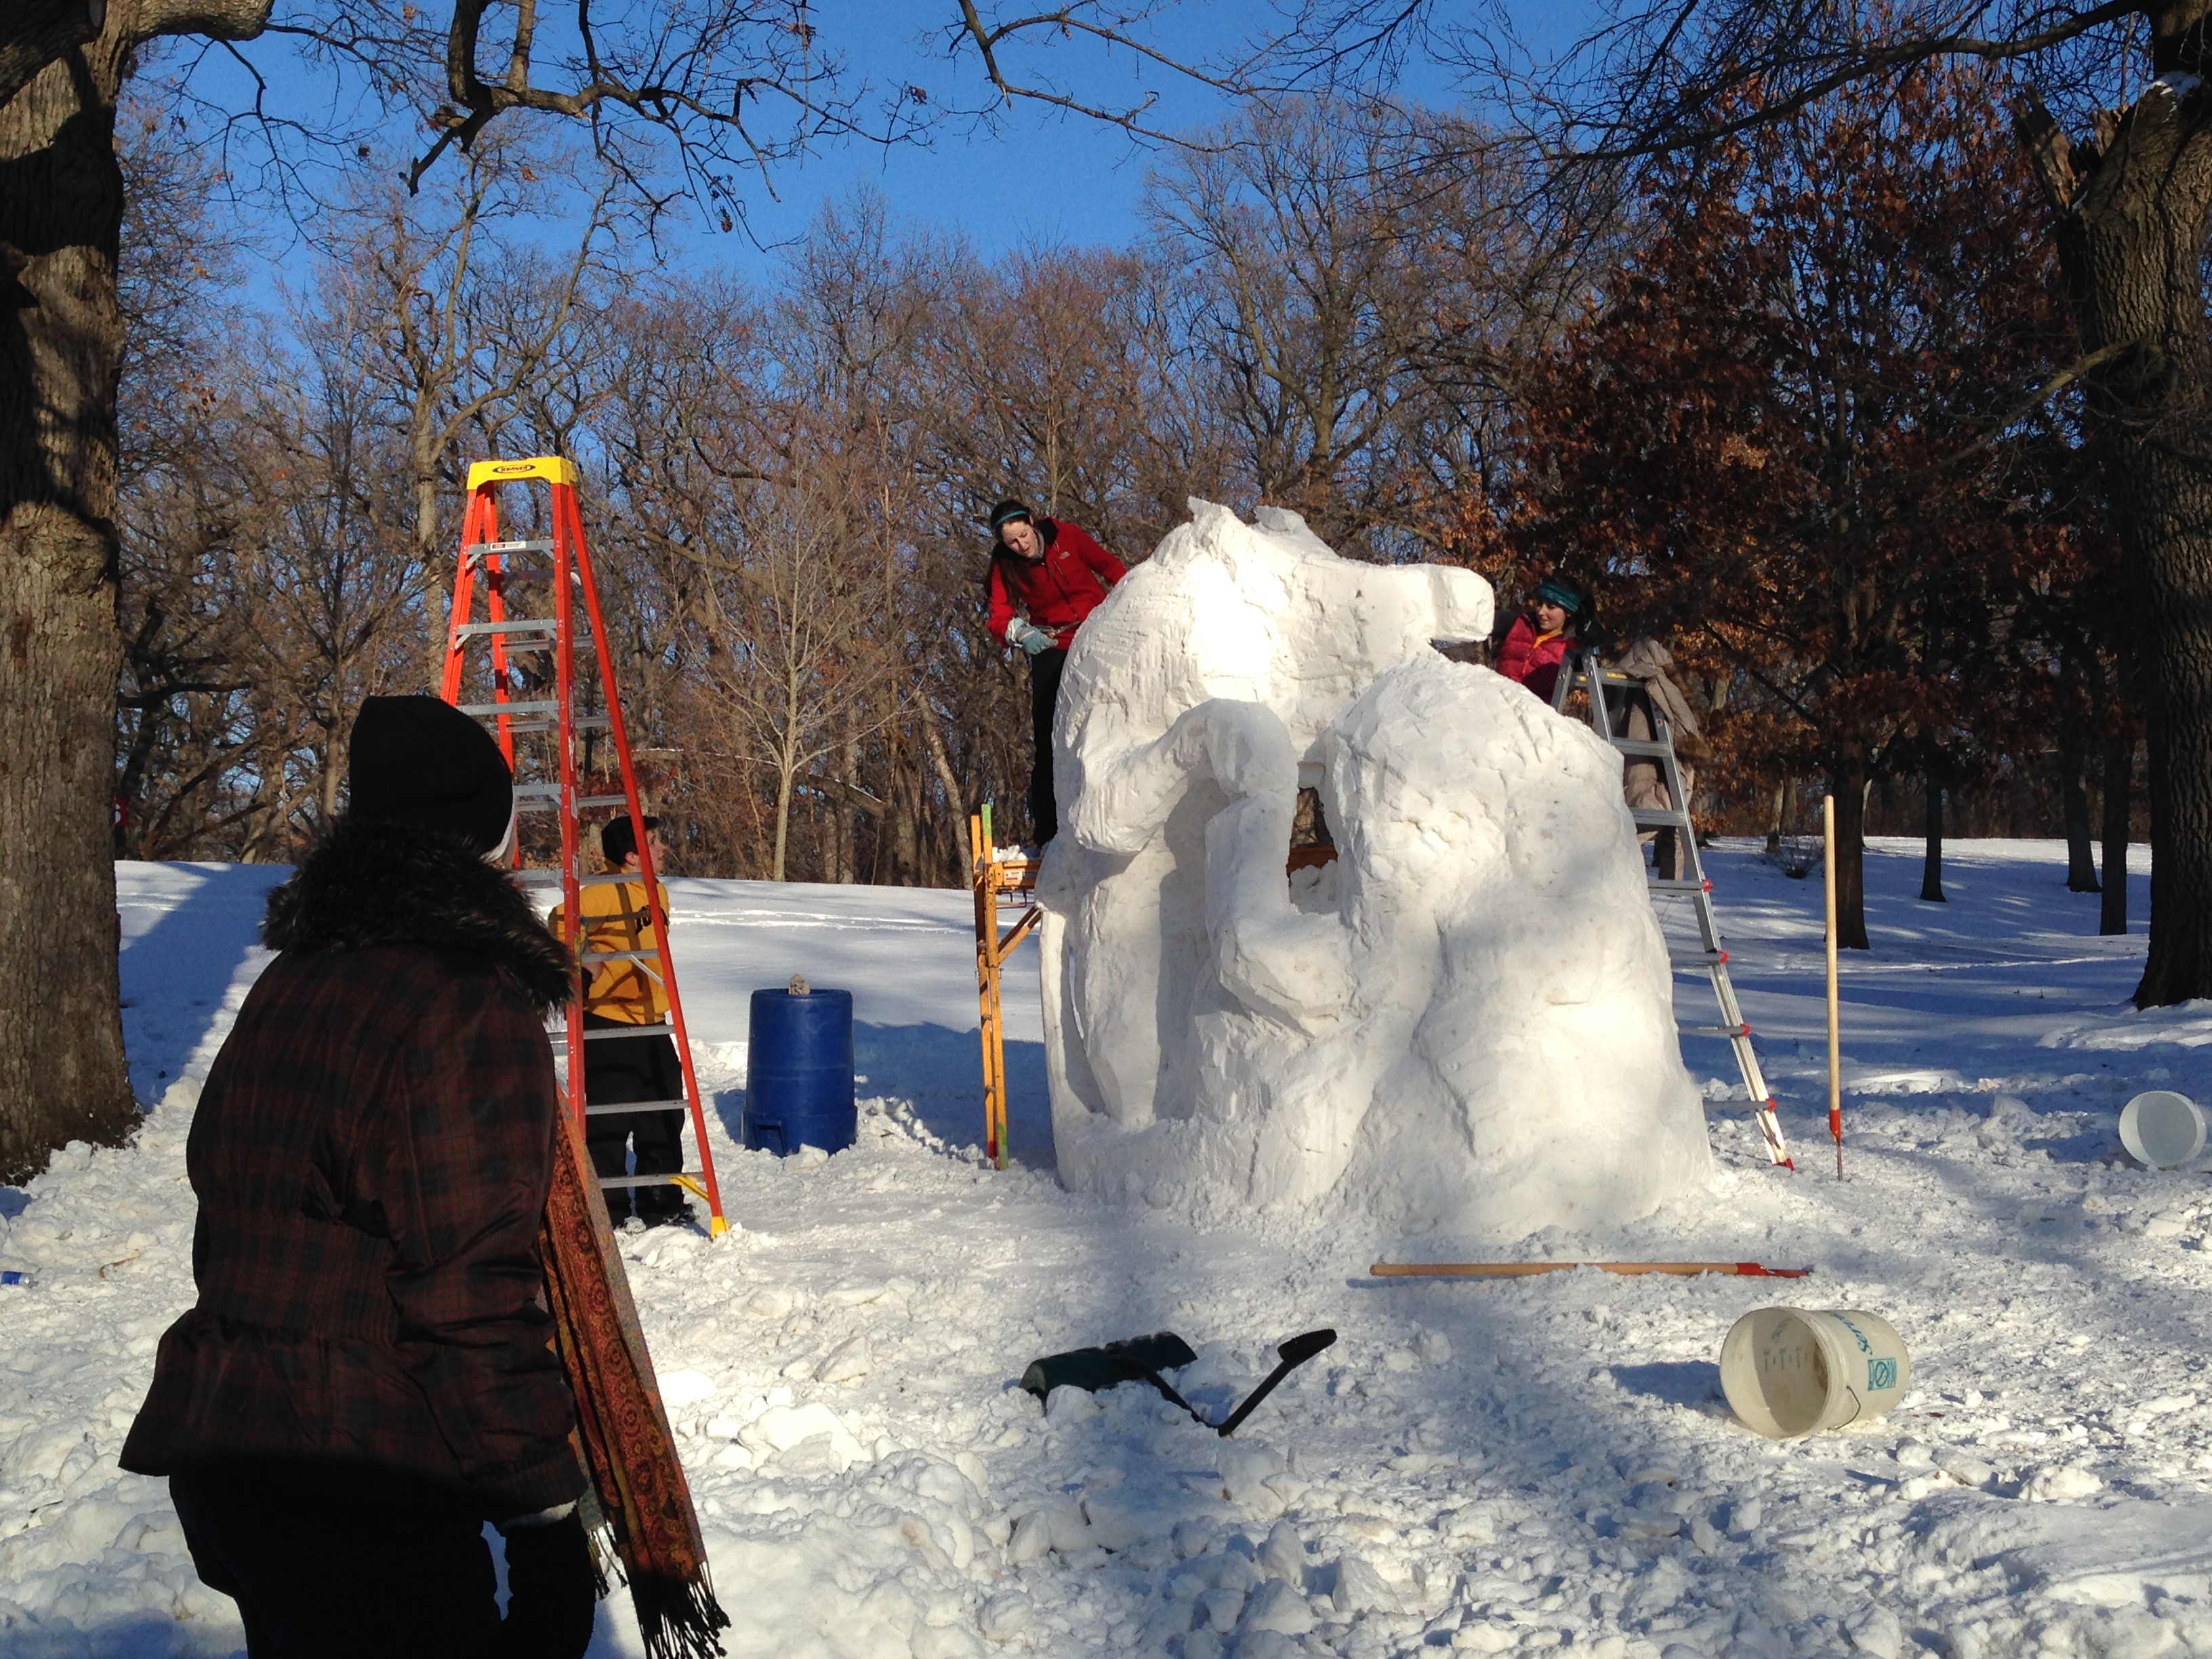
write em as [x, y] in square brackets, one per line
[1464, 1023]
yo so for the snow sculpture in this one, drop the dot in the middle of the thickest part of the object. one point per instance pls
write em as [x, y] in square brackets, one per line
[1465, 1021]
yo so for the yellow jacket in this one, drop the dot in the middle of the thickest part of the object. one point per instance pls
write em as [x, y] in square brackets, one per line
[618, 918]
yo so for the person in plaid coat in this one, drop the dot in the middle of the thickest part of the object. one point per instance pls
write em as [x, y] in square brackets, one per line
[366, 1378]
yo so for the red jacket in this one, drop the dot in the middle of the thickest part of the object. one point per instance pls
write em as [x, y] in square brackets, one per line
[371, 1156]
[1531, 661]
[1060, 590]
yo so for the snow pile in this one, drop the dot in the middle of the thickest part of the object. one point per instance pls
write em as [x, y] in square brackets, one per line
[1537, 1465]
[1463, 1023]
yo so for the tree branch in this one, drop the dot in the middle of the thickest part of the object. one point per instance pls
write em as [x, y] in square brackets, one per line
[41, 30]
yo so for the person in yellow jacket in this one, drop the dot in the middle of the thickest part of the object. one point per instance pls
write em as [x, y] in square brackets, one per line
[641, 1068]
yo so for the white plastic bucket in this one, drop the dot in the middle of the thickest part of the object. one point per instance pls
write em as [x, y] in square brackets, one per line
[1787, 1371]
[2162, 1128]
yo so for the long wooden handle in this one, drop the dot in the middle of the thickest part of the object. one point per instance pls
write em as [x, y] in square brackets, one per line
[1835, 1038]
[1523, 1269]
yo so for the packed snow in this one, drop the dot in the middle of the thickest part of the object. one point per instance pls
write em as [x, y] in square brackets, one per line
[1504, 1467]
[1463, 1021]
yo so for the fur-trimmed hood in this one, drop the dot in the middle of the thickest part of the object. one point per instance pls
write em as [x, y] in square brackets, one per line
[368, 883]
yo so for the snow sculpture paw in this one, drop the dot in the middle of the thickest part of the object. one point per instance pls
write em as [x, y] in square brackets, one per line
[1465, 1021]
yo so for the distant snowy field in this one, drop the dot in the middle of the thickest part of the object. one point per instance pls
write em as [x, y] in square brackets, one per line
[1510, 1467]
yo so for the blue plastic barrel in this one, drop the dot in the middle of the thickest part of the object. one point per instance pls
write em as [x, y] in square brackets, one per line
[798, 1073]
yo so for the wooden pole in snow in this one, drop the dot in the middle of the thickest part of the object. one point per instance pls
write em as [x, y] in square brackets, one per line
[1525, 1269]
[1835, 1024]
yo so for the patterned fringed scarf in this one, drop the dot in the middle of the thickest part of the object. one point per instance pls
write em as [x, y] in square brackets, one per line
[622, 1431]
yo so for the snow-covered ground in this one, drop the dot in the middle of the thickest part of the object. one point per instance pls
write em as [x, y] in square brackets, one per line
[1510, 1466]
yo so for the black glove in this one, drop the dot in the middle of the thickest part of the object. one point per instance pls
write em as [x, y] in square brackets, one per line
[552, 1597]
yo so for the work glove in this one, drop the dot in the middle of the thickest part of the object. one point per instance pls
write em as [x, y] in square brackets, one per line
[1027, 636]
[552, 1592]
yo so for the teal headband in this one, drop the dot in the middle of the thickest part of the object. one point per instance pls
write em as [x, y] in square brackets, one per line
[1557, 592]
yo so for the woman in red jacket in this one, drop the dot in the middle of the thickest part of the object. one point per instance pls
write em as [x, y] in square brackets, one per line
[1541, 637]
[1046, 577]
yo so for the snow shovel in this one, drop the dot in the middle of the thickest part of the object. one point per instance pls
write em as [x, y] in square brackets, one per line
[1141, 1359]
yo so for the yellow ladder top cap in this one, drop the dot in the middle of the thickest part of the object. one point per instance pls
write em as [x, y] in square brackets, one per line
[554, 469]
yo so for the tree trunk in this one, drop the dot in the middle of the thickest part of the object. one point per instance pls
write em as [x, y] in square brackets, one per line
[1774, 834]
[2119, 765]
[437, 597]
[2132, 222]
[1932, 867]
[62, 1073]
[39, 31]
[1847, 783]
[905, 822]
[783, 777]
[2080, 857]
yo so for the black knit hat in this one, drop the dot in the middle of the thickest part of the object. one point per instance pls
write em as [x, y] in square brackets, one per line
[420, 761]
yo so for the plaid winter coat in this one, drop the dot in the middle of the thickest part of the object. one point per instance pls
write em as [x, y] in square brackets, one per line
[372, 1154]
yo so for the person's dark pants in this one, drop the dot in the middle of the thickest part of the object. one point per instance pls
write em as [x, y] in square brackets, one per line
[616, 1069]
[1044, 698]
[329, 1565]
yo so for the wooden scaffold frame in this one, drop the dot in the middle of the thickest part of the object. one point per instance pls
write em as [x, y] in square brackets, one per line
[995, 880]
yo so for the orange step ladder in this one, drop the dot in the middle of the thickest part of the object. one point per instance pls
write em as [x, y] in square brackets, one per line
[517, 624]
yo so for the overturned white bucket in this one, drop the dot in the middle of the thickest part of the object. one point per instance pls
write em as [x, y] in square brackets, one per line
[2162, 1129]
[1787, 1371]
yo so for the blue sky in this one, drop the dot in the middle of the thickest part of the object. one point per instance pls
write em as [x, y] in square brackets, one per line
[1044, 178]
[1037, 178]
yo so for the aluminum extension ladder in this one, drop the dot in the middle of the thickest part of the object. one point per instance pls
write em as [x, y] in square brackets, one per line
[1608, 688]
[552, 727]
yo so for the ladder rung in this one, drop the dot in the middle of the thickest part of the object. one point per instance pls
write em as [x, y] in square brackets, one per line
[481, 549]
[537, 792]
[525, 723]
[507, 710]
[622, 956]
[587, 802]
[651, 1181]
[1643, 746]
[593, 1033]
[1697, 959]
[528, 625]
[1648, 818]
[1715, 1031]
[1669, 885]
[599, 1109]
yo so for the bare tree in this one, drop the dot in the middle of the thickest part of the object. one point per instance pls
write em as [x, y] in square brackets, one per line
[681, 97]
[803, 670]
[1355, 290]
[453, 341]
[2115, 115]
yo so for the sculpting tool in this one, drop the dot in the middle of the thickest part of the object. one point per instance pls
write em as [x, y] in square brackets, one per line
[1132, 1361]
